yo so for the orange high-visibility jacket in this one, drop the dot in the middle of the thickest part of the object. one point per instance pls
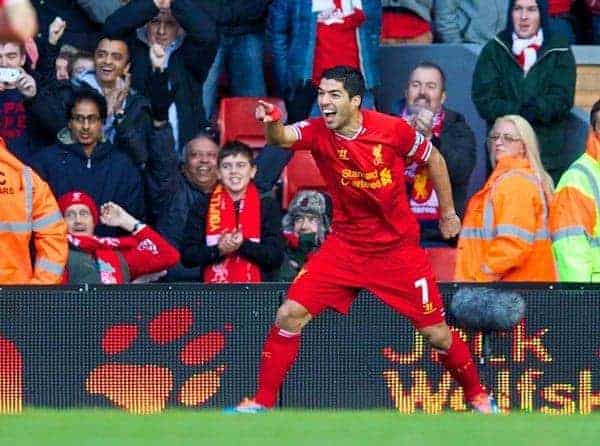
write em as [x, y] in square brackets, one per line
[505, 230]
[28, 210]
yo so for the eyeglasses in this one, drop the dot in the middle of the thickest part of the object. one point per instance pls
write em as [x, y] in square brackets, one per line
[493, 137]
[81, 119]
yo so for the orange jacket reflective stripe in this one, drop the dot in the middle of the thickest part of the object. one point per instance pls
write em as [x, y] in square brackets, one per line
[505, 230]
[28, 211]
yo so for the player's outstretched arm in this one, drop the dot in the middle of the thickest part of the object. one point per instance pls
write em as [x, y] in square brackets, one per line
[276, 133]
[438, 172]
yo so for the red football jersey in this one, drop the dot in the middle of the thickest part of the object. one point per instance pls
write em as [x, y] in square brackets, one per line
[365, 177]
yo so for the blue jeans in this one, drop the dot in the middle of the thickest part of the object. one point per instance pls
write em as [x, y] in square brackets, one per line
[596, 29]
[242, 56]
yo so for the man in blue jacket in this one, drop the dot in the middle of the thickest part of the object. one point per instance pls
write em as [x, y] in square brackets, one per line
[84, 160]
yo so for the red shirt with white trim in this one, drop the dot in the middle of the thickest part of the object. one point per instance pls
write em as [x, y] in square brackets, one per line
[365, 177]
[337, 42]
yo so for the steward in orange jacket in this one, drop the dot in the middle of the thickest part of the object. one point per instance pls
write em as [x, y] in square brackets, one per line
[28, 210]
[505, 231]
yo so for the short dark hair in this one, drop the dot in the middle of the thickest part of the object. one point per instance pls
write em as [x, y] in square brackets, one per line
[112, 39]
[232, 148]
[433, 66]
[87, 94]
[595, 109]
[351, 79]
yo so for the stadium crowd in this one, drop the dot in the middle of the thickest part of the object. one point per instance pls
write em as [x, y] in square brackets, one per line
[111, 168]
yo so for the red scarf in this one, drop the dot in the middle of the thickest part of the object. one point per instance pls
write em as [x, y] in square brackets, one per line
[221, 217]
[423, 199]
[104, 250]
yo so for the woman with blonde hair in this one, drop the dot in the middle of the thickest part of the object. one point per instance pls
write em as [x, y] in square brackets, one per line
[505, 230]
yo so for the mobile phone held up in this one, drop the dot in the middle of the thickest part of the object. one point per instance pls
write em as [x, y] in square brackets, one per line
[9, 75]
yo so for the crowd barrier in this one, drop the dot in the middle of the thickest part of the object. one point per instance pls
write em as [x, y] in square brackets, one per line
[144, 348]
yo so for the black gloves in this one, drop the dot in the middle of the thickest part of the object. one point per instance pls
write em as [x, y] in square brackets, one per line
[160, 95]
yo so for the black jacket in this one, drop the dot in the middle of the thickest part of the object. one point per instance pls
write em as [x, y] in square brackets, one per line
[267, 254]
[108, 175]
[82, 32]
[188, 64]
[171, 225]
[236, 17]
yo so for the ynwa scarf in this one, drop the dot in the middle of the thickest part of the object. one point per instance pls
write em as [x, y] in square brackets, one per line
[423, 200]
[222, 217]
[105, 252]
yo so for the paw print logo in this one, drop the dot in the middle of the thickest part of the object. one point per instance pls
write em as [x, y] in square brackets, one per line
[147, 388]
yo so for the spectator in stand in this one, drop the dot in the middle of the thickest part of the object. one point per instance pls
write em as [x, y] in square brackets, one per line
[469, 21]
[310, 36]
[174, 189]
[110, 260]
[594, 8]
[85, 19]
[188, 36]
[29, 218]
[15, 97]
[84, 160]
[18, 20]
[530, 71]
[190, 187]
[129, 120]
[423, 108]
[560, 19]
[82, 62]
[241, 51]
[62, 65]
[236, 236]
[305, 226]
[406, 21]
[575, 212]
[505, 230]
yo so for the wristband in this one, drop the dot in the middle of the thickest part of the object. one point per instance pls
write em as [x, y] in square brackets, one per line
[136, 226]
[276, 114]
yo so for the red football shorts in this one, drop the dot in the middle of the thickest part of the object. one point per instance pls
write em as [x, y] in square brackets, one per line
[401, 277]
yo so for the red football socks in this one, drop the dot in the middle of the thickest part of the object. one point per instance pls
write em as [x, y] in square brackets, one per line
[459, 362]
[279, 353]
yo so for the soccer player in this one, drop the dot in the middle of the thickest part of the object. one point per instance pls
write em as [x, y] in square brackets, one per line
[374, 242]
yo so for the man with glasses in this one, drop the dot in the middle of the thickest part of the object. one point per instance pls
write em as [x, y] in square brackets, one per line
[84, 160]
[575, 211]
[128, 123]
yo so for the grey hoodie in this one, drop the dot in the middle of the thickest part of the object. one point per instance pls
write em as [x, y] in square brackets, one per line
[469, 21]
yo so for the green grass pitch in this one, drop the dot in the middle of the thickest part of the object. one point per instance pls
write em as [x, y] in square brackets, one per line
[288, 428]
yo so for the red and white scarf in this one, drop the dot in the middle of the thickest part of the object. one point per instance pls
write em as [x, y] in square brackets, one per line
[526, 50]
[423, 200]
[221, 217]
[104, 250]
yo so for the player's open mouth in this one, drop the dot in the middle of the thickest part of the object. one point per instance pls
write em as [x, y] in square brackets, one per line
[328, 115]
